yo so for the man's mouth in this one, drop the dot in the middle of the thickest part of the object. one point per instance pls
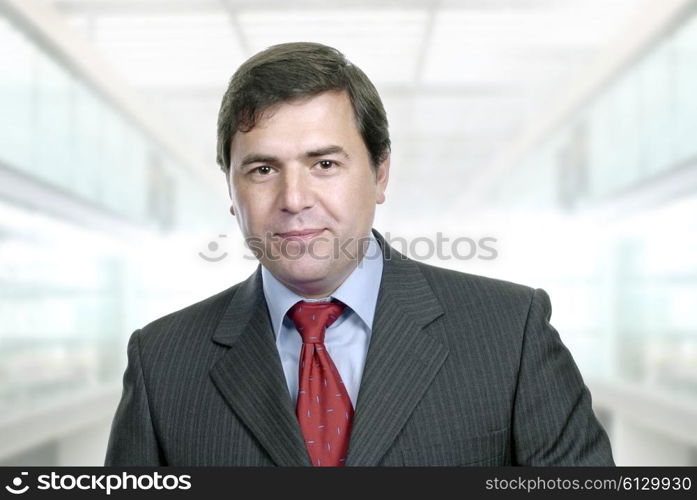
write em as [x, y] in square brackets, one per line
[301, 234]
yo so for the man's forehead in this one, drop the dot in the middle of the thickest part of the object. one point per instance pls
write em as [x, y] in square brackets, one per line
[330, 100]
[299, 127]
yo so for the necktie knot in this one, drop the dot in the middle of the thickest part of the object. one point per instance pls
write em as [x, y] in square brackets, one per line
[311, 319]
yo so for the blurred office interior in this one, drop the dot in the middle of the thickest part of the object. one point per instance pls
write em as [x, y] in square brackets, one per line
[564, 132]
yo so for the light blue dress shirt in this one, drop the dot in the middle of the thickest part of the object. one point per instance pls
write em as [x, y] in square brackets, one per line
[347, 338]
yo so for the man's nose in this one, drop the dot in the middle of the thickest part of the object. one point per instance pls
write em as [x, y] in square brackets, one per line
[297, 191]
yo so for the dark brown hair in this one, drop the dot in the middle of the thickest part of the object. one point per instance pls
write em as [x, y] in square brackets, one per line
[292, 71]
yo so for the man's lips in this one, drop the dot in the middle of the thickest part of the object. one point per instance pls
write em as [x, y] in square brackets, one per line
[302, 234]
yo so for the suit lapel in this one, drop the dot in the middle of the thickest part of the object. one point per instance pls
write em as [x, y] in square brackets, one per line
[250, 375]
[402, 358]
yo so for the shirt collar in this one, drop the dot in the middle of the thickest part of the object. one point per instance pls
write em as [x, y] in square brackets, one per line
[359, 291]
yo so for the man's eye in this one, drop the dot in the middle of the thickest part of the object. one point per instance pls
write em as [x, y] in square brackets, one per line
[263, 170]
[325, 164]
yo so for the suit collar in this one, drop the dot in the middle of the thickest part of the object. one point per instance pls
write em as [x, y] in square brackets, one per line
[250, 376]
[403, 358]
[401, 363]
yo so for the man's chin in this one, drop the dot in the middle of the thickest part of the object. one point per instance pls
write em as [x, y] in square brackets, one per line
[302, 271]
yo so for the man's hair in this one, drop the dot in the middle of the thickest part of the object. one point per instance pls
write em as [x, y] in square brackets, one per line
[293, 71]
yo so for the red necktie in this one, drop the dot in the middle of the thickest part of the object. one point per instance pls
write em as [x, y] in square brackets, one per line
[324, 408]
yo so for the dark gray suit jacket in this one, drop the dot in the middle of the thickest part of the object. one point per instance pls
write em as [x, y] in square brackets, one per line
[461, 370]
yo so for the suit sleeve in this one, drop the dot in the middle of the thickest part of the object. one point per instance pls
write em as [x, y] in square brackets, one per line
[132, 440]
[553, 421]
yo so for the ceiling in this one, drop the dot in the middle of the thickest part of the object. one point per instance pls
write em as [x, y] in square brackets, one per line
[460, 79]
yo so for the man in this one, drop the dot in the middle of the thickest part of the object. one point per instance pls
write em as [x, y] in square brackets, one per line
[338, 350]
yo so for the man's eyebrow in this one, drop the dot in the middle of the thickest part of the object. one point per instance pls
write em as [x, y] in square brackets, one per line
[328, 150]
[315, 153]
[257, 158]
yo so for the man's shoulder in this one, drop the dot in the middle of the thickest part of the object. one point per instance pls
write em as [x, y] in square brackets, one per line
[496, 310]
[440, 277]
[201, 316]
[452, 286]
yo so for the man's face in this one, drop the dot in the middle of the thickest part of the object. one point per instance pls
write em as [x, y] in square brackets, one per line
[304, 167]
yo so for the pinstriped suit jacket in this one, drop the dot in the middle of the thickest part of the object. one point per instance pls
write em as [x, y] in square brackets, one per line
[461, 370]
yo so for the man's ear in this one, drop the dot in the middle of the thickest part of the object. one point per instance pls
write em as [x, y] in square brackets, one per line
[382, 177]
[228, 177]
